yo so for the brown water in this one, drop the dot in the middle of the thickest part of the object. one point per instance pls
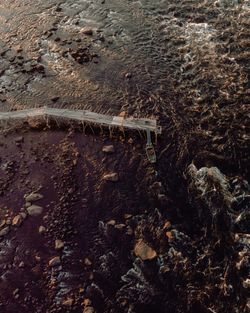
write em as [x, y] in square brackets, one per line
[170, 48]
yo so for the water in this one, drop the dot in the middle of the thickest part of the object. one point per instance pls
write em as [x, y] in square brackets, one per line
[167, 47]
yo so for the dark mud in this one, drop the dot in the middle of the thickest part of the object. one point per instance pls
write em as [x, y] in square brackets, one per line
[183, 62]
[68, 171]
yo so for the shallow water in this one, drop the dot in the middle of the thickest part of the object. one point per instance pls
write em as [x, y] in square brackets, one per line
[165, 47]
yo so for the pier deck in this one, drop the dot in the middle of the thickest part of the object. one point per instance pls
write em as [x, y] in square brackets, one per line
[141, 124]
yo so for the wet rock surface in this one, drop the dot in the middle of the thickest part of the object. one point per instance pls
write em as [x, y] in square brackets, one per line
[183, 62]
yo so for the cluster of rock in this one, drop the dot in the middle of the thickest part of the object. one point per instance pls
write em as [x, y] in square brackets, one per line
[29, 210]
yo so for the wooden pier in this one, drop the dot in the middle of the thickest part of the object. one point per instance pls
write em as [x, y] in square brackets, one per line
[88, 117]
[140, 124]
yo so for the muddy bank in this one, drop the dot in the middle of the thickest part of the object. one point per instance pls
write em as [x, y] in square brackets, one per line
[71, 177]
[87, 225]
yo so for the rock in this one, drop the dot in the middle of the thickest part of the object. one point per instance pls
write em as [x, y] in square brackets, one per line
[129, 231]
[55, 99]
[170, 236]
[35, 122]
[23, 215]
[144, 251]
[2, 223]
[111, 177]
[19, 139]
[89, 309]
[33, 197]
[55, 261]
[35, 210]
[167, 225]
[59, 244]
[8, 221]
[246, 283]
[4, 231]
[87, 31]
[108, 149]
[128, 75]
[87, 302]
[111, 222]
[87, 262]
[21, 264]
[17, 220]
[248, 304]
[41, 230]
[38, 258]
[68, 302]
[120, 226]
[127, 216]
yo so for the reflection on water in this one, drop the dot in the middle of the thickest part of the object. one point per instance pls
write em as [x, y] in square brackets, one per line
[141, 56]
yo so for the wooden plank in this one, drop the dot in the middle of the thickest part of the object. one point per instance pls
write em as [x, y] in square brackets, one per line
[142, 124]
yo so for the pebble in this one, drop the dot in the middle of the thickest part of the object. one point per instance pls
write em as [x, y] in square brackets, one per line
[111, 177]
[129, 231]
[23, 215]
[17, 220]
[21, 264]
[4, 231]
[108, 149]
[8, 221]
[87, 262]
[55, 99]
[19, 139]
[127, 216]
[120, 226]
[87, 31]
[55, 261]
[246, 283]
[34, 210]
[86, 302]
[41, 229]
[128, 75]
[33, 197]
[2, 223]
[69, 302]
[111, 222]
[59, 244]
[89, 309]
[144, 251]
